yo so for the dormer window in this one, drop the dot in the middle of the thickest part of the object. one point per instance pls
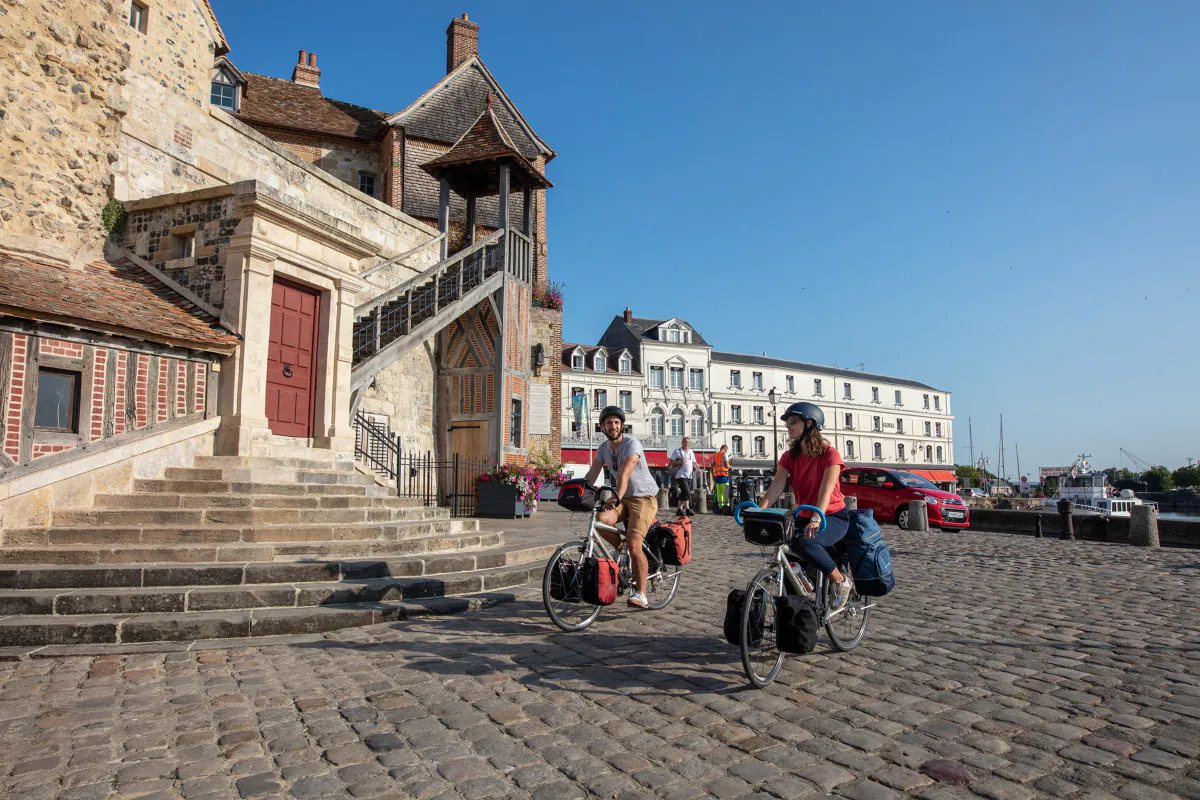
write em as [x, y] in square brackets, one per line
[227, 86]
[577, 361]
[598, 362]
[675, 332]
[626, 365]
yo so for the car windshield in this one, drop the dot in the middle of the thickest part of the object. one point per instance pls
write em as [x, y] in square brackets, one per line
[914, 481]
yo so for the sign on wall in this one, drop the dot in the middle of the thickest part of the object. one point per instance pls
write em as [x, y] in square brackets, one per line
[539, 409]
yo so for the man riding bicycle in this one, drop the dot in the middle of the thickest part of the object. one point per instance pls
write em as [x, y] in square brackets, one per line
[636, 501]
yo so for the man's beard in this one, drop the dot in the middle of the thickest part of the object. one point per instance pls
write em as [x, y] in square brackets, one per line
[612, 437]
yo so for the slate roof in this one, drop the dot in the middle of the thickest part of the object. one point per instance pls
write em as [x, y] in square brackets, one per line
[454, 103]
[801, 366]
[117, 297]
[274, 101]
[487, 140]
[640, 327]
[568, 350]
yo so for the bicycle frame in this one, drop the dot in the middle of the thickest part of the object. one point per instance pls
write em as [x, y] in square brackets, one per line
[799, 583]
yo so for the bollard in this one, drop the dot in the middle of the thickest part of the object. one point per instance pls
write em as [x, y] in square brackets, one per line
[1068, 524]
[787, 500]
[699, 501]
[851, 503]
[1143, 526]
[1037, 533]
[663, 495]
[918, 515]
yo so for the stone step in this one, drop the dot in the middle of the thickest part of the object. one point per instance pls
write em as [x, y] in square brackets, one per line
[274, 475]
[137, 518]
[158, 500]
[265, 462]
[65, 633]
[235, 552]
[524, 567]
[136, 576]
[243, 488]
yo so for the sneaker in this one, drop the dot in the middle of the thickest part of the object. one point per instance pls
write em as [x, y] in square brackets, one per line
[638, 600]
[841, 593]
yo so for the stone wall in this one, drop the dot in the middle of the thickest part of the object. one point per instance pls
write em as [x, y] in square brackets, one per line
[159, 235]
[404, 392]
[1089, 527]
[341, 158]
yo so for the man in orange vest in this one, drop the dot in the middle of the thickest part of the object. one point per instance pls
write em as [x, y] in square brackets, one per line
[721, 479]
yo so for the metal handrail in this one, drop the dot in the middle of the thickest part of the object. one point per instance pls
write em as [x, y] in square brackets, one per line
[396, 291]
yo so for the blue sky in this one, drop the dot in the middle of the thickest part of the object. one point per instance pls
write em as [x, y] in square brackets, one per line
[999, 199]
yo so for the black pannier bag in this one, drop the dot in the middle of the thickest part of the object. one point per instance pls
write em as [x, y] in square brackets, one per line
[598, 581]
[564, 581]
[768, 527]
[733, 618]
[577, 495]
[796, 624]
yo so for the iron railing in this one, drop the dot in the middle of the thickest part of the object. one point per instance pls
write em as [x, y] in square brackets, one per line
[435, 482]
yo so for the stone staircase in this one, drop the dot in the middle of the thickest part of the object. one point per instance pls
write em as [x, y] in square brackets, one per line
[247, 546]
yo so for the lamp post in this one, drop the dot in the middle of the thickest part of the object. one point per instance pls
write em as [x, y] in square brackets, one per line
[773, 397]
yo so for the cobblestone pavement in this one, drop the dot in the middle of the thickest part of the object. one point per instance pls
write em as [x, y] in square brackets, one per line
[1027, 667]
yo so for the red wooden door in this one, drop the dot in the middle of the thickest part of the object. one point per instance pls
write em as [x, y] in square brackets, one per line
[291, 359]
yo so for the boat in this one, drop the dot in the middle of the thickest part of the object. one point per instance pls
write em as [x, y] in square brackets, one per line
[1090, 493]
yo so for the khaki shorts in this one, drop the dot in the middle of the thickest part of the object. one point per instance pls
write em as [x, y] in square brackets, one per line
[638, 514]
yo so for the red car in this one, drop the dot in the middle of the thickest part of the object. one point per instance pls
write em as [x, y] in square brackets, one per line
[887, 492]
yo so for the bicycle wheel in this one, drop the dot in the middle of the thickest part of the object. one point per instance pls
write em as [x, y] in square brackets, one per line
[563, 569]
[761, 659]
[662, 585]
[847, 629]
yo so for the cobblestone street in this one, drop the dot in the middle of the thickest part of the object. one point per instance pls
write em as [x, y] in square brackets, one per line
[1038, 667]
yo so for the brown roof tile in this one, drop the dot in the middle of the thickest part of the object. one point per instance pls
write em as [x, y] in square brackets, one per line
[485, 141]
[117, 297]
[274, 101]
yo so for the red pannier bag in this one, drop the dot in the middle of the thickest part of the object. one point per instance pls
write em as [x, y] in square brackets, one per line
[598, 581]
[674, 540]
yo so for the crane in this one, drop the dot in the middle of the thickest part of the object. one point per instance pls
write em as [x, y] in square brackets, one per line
[1137, 461]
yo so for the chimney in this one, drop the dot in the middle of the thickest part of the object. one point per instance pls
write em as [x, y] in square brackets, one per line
[462, 42]
[628, 314]
[305, 73]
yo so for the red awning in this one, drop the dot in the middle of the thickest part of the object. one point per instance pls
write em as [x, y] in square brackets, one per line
[570, 455]
[654, 458]
[935, 475]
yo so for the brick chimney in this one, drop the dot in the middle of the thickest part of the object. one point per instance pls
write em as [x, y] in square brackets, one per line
[628, 314]
[462, 42]
[305, 73]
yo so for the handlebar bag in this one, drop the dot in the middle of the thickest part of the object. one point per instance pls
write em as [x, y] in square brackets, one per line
[797, 628]
[768, 527]
[672, 540]
[577, 495]
[733, 617]
[598, 581]
[565, 581]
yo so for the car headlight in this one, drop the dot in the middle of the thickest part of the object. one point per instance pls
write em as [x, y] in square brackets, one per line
[933, 501]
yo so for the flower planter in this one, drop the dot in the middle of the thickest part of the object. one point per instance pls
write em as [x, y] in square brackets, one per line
[499, 500]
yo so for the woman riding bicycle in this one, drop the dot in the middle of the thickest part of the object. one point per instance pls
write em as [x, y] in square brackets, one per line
[813, 465]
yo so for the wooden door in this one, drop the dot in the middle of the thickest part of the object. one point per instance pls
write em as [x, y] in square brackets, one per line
[469, 439]
[291, 359]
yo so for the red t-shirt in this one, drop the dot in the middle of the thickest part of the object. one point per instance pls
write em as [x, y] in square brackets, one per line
[805, 474]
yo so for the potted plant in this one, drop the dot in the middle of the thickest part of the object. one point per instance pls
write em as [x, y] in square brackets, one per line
[507, 491]
[549, 296]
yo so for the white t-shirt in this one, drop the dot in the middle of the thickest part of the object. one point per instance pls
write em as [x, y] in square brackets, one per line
[688, 466]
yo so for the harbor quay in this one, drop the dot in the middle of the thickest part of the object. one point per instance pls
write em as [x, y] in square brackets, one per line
[1001, 666]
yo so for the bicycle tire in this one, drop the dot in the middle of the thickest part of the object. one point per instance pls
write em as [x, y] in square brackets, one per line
[559, 611]
[848, 628]
[761, 657]
[668, 577]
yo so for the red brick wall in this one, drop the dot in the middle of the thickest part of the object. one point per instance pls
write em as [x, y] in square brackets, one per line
[96, 401]
[16, 392]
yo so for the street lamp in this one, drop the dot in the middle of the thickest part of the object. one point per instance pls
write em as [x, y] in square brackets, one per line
[773, 396]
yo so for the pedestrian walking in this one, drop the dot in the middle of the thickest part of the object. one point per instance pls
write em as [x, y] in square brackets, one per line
[684, 461]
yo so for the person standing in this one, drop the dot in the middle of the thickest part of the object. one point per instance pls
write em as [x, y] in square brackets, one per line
[720, 471]
[684, 461]
[636, 500]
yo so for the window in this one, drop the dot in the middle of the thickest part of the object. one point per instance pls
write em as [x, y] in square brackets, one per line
[878, 451]
[937, 403]
[577, 361]
[849, 449]
[139, 14]
[57, 400]
[598, 363]
[849, 422]
[626, 401]
[366, 183]
[937, 429]
[791, 384]
[928, 453]
[817, 388]
[514, 424]
[898, 398]
[899, 452]
[927, 429]
[696, 425]
[757, 381]
[600, 396]
[656, 422]
[184, 245]
[758, 415]
[874, 394]
[224, 93]
[736, 445]
[846, 392]
[760, 445]
[899, 425]
[876, 424]
[677, 423]
[735, 415]
[696, 379]
[656, 377]
[939, 454]
[676, 377]
[925, 397]
[735, 378]
[626, 365]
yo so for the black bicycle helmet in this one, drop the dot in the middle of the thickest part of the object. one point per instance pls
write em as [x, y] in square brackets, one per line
[612, 411]
[805, 411]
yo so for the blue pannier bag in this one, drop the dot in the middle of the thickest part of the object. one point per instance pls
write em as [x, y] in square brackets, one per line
[870, 560]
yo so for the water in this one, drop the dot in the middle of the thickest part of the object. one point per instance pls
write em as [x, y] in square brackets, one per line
[1186, 513]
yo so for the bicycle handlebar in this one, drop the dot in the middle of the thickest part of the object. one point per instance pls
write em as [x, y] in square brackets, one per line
[737, 512]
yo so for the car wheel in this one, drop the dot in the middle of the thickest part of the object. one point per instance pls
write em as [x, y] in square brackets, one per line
[902, 517]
